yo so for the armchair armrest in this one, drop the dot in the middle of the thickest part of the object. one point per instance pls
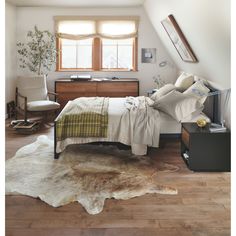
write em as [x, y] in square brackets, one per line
[20, 95]
[54, 94]
[24, 97]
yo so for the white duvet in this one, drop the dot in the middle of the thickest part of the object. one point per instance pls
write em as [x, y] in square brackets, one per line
[131, 121]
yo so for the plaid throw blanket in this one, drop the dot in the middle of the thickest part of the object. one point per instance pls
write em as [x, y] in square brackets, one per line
[85, 117]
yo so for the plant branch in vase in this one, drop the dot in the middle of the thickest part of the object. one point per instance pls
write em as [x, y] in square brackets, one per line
[39, 53]
[158, 81]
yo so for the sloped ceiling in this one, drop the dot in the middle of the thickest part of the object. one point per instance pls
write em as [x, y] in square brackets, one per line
[206, 25]
[76, 3]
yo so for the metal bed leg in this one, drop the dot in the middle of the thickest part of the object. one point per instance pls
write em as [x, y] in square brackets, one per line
[56, 155]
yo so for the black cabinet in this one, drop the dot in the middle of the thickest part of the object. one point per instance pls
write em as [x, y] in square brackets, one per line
[203, 150]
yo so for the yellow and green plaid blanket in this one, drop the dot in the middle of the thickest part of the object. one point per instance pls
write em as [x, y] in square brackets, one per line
[85, 117]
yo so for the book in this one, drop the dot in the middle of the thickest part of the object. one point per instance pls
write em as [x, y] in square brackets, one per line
[215, 125]
[217, 128]
[78, 77]
[220, 129]
[101, 79]
[15, 122]
[23, 125]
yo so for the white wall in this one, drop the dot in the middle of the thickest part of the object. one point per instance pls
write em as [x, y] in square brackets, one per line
[27, 17]
[10, 52]
[206, 25]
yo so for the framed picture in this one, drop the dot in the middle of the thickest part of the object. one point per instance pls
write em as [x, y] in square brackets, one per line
[148, 55]
[178, 39]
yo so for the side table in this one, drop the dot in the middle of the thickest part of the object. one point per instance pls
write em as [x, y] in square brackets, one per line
[203, 150]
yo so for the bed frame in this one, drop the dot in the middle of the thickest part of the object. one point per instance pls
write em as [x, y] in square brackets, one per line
[211, 109]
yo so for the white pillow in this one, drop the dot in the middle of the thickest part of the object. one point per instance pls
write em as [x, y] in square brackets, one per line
[162, 91]
[184, 81]
[195, 116]
[178, 105]
[198, 78]
[198, 90]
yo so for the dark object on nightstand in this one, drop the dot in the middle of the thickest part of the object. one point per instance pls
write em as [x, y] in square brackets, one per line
[151, 91]
[203, 150]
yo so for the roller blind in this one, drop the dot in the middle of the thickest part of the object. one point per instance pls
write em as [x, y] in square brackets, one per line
[73, 27]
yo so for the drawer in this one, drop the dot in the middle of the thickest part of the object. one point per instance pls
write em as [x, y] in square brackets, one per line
[63, 98]
[185, 137]
[70, 87]
[116, 94]
[118, 87]
[74, 95]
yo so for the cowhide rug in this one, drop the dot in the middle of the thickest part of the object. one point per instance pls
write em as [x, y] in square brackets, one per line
[85, 173]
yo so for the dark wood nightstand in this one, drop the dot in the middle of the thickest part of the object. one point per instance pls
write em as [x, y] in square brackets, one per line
[203, 150]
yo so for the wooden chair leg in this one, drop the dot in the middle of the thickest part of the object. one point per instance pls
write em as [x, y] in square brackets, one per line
[46, 117]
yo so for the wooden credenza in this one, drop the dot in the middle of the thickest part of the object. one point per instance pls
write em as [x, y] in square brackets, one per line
[69, 89]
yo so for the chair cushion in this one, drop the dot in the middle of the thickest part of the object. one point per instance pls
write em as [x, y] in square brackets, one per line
[44, 105]
[34, 88]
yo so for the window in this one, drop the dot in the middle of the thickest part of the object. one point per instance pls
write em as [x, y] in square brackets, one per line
[76, 54]
[117, 54]
[97, 43]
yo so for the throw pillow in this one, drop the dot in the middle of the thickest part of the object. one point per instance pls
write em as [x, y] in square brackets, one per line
[198, 90]
[184, 81]
[162, 91]
[178, 105]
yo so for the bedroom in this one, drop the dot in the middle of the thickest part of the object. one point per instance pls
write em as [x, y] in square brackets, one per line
[127, 52]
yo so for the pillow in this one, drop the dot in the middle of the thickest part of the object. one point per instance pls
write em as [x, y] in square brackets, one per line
[178, 105]
[184, 81]
[195, 116]
[198, 90]
[203, 80]
[162, 91]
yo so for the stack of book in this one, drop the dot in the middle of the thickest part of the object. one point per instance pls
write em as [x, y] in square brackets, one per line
[26, 127]
[217, 128]
[80, 77]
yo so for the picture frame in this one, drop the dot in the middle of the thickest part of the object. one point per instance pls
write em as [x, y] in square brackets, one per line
[178, 39]
[148, 55]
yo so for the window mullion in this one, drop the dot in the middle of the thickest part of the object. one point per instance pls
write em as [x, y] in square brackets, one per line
[77, 51]
[117, 55]
[97, 54]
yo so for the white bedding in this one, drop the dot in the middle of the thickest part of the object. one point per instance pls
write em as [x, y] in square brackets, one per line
[171, 126]
[118, 129]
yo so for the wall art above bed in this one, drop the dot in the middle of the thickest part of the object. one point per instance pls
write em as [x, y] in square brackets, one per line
[178, 39]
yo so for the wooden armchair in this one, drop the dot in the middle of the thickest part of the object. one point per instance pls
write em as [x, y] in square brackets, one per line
[32, 96]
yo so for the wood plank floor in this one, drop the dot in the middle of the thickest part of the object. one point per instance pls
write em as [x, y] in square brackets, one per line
[201, 208]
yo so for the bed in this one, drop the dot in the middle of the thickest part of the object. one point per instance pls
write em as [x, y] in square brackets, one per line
[118, 130]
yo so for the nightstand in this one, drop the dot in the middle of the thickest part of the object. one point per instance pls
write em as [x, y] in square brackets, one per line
[203, 150]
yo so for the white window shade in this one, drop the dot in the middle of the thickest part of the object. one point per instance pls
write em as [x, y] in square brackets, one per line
[76, 29]
[96, 26]
[121, 29]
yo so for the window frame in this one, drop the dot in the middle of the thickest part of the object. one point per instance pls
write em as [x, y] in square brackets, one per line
[96, 58]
